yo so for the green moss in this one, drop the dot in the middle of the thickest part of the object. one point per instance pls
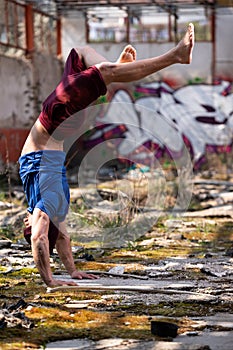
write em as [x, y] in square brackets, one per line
[53, 321]
[174, 309]
[54, 324]
[7, 232]
[128, 321]
[24, 272]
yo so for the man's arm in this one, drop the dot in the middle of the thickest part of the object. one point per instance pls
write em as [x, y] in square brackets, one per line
[40, 248]
[63, 246]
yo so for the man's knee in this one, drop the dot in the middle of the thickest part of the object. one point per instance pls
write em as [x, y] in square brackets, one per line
[83, 50]
[108, 71]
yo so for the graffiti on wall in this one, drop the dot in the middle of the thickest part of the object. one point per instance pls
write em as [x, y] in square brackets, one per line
[161, 120]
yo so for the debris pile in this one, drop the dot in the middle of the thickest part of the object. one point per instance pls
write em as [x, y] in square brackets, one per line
[13, 316]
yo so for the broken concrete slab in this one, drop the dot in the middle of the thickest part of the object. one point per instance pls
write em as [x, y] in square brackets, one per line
[5, 205]
[218, 211]
[123, 344]
[220, 320]
[13, 316]
[215, 340]
[166, 288]
[5, 243]
[199, 340]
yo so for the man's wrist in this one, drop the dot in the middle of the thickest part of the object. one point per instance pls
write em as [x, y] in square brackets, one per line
[73, 271]
[49, 281]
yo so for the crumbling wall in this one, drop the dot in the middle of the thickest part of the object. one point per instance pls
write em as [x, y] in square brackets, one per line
[25, 83]
[16, 97]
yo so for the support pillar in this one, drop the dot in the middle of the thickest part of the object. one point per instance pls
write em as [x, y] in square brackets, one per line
[29, 29]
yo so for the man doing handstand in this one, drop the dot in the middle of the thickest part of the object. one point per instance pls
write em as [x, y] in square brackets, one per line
[85, 78]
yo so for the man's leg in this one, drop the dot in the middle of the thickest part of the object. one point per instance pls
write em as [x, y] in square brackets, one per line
[91, 57]
[52, 234]
[40, 244]
[136, 70]
[40, 248]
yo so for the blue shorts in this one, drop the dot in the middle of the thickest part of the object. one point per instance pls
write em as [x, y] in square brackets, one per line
[43, 175]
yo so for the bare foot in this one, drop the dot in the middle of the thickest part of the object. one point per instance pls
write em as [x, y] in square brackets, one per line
[185, 46]
[128, 55]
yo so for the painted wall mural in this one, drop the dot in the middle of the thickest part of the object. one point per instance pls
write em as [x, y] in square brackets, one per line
[161, 120]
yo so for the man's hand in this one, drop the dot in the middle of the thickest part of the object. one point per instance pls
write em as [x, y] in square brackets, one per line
[56, 283]
[75, 275]
[80, 275]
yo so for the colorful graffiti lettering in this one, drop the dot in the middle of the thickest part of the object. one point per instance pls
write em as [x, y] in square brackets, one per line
[162, 120]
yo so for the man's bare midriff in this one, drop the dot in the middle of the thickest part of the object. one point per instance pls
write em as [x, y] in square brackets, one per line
[40, 140]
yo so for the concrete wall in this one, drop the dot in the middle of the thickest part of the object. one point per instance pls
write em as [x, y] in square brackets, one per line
[24, 85]
[16, 96]
[47, 72]
[224, 57]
